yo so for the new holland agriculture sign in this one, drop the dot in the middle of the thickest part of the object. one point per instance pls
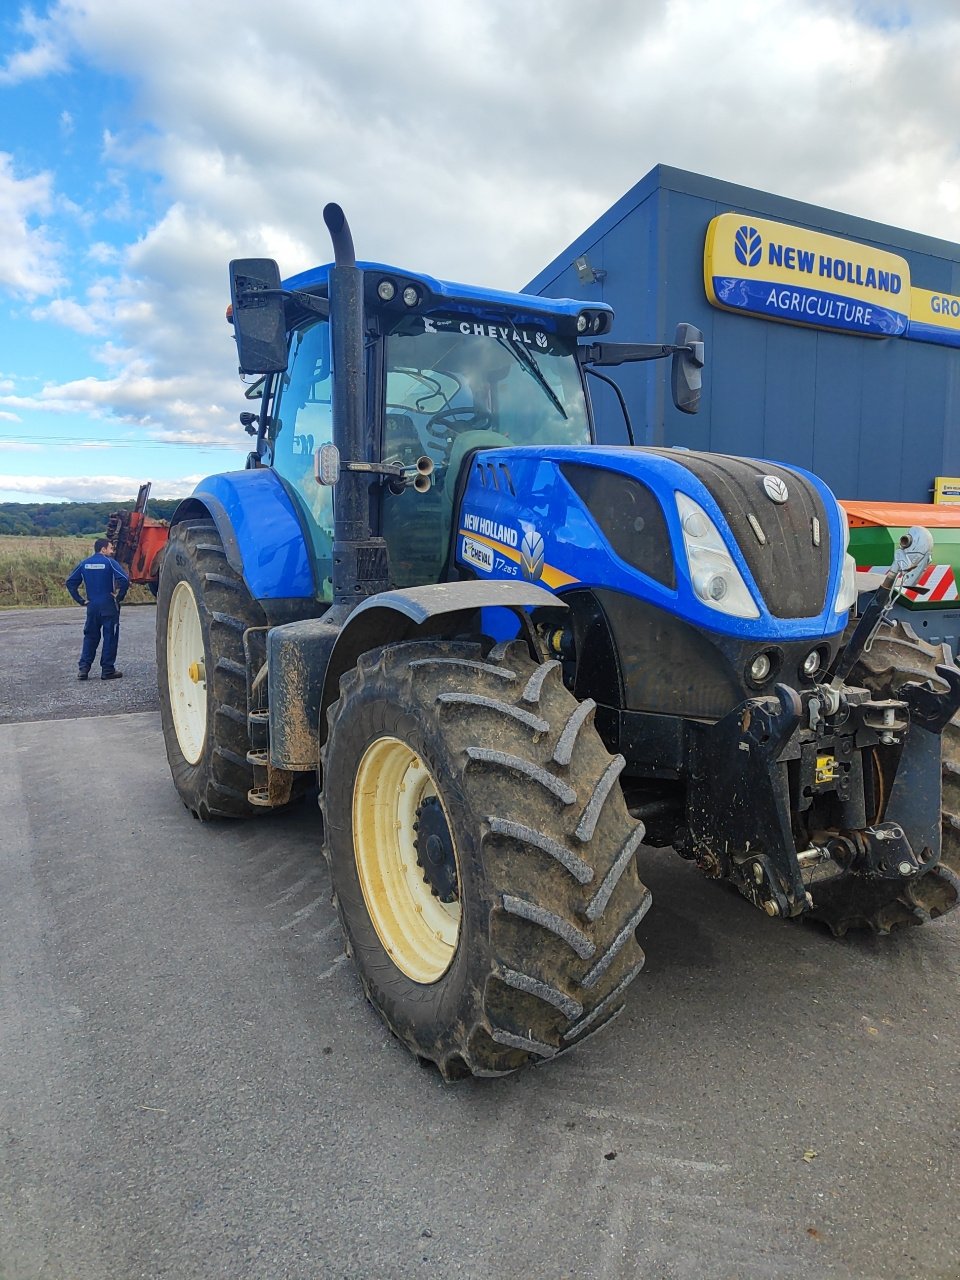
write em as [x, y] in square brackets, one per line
[779, 272]
[805, 277]
[934, 317]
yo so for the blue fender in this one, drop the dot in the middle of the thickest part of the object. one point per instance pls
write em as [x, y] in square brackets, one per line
[260, 529]
[307, 657]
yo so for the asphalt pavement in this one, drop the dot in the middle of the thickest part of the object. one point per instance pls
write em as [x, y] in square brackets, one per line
[191, 1084]
[39, 651]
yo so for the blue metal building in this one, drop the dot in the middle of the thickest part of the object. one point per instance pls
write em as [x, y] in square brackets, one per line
[832, 342]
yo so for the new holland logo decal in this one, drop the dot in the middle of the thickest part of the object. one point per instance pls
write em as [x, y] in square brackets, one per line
[531, 556]
[748, 246]
[505, 551]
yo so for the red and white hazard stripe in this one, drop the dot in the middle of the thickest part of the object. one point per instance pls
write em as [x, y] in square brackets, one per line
[939, 580]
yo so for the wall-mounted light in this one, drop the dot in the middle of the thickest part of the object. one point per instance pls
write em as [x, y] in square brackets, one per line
[586, 273]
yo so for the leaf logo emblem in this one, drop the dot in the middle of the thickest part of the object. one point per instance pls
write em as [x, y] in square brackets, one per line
[541, 339]
[775, 489]
[531, 556]
[748, 246]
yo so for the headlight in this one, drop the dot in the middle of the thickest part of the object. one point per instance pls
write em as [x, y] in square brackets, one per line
[716, 579]
[812, 663]
[760, 668]
[847, 590]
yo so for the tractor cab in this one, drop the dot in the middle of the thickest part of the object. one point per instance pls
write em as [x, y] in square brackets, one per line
[445, 373]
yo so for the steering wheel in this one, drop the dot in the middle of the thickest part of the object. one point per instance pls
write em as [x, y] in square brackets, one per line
[465, 418]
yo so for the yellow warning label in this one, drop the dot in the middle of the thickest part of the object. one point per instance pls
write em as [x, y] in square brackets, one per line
[826, 768]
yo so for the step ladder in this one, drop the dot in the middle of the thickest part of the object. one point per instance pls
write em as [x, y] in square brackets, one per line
[271, 786]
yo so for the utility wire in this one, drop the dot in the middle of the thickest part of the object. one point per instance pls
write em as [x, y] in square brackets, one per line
[115, 444]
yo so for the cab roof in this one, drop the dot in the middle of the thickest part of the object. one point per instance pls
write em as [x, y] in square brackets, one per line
[445, 294]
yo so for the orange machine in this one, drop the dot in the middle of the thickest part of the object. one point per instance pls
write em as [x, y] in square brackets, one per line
[139, 540]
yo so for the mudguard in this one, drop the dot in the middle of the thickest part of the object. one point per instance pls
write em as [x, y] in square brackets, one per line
[307, 658]
[261, 531]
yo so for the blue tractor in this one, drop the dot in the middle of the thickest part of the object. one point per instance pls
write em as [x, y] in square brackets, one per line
[513, 657]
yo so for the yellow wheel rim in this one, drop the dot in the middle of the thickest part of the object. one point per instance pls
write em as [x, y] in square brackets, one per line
[186, 673]
[418, 932]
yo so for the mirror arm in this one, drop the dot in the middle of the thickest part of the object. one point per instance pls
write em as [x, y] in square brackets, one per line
[613, 353]
[306, 300]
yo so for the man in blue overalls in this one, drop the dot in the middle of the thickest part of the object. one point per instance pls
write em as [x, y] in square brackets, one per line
[106, 585]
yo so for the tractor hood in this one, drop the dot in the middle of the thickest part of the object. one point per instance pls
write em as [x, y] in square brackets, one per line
[743, 547]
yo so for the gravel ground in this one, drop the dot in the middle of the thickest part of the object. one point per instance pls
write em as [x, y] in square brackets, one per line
[38, 677]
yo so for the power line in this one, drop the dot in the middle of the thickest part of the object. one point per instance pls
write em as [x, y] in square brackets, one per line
[117, 444]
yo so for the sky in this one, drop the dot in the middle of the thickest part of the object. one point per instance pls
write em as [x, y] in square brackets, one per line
[142, 146]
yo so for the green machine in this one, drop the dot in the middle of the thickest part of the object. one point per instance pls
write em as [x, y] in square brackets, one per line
[932, 606]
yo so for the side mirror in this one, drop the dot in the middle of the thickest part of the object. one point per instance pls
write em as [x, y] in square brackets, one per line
[256, 301]
[685, 379]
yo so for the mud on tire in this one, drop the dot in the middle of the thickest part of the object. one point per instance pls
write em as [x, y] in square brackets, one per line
[215, 783]
[897, 657]
[547, 895]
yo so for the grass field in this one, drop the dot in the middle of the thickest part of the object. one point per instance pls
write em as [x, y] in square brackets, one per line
[32, 571]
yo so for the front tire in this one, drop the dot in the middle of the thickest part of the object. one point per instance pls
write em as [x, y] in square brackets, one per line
[203, 609]
[482, 858]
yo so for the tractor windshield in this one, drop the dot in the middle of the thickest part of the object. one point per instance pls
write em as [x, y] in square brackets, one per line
[449, 375]
[454, 384]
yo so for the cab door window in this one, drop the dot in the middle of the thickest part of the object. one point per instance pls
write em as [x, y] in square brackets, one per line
[302, 420]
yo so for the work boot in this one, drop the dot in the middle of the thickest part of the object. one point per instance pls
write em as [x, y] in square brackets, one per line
[112, 675]
[82, 675]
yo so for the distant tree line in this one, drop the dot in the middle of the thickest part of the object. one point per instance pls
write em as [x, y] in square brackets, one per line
[61, 518]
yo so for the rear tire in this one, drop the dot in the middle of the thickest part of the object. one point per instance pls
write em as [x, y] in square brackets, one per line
[203, 609]
[482, 857]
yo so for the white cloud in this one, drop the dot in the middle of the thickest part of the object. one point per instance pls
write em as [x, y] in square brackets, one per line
[171, 409]
[95, 488]
[103, 253]
[504, 129]
[44, 52]
[28, 255]
[68, 313]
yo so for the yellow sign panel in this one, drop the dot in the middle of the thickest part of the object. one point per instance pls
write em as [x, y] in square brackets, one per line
[780, 272]
[934, 317]
[946, 489]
